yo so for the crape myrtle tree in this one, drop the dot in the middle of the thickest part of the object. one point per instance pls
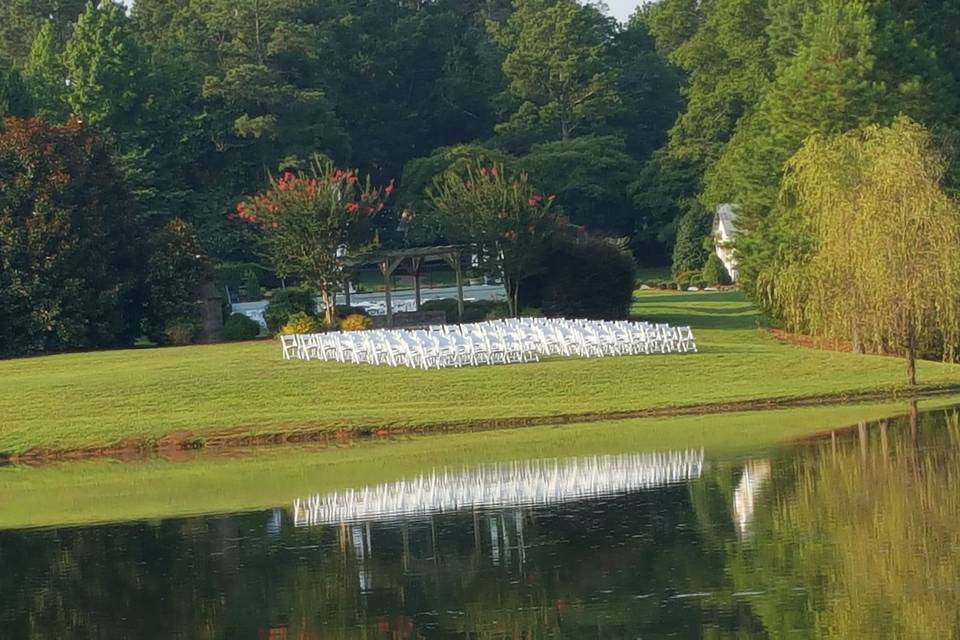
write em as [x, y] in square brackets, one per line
[70, 242]
[304, 220]
[883, 267]
[501, 213]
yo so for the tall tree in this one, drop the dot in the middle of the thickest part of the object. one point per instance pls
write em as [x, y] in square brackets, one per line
[882, 267]
[46, 75]
[104, 68]
[590, 176]
[559, 69]
[727, 67]
[305, 220]
[21, 20]
[70, 242]
[853, 67]
[650, 88]
[267, 83]
[502, 214]
[827, 87]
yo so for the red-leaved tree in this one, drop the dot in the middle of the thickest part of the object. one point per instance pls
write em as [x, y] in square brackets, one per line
[499, 213]
[306, 221]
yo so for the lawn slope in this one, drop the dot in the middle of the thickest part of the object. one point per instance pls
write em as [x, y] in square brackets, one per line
[81, 401]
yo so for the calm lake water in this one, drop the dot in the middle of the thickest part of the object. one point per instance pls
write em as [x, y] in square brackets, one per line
[852, 534]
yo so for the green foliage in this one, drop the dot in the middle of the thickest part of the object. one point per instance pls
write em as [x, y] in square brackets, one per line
[842, 65]
[252, 283]
[689, 252]
[664, 184]
[284, 303]
[176, 269]
[21, 20]
[104, 67]
[356, 322]
[300, 323]
[46, 76]
[15, 99]
[672, 22]
[420, 173]
[70, 243]
[650, 89]
[826, 88]
[722, 48]
[239, 327]
[559, 71]
[473, 310]
[180, 332]
[590, 176]
[586, 279]
[714, 272]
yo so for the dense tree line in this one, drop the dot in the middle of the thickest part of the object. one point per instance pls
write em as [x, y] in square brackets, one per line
[202, 100]
[763, 75]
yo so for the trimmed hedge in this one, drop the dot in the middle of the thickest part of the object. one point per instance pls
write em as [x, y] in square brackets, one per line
[715, 272]
[284, 303]
[582, 279]
[239, 327]
[473, 310]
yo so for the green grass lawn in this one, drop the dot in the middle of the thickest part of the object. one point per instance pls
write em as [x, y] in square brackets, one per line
[98, 399]
[106, 490]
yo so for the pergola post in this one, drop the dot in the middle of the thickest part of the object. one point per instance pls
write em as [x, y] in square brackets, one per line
[458, 269]
[416, 264]
[453, 259]
[387, 267]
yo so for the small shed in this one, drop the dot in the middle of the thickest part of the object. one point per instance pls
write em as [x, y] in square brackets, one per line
[724, 232]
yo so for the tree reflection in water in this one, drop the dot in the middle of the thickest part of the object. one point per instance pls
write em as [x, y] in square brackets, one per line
[848, 536]
[867, 527]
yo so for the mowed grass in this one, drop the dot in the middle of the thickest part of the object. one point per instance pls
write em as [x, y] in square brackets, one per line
[99, 399]
[106, 490]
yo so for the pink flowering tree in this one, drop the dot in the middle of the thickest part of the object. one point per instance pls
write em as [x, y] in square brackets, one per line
[498, 212]
[306, 220]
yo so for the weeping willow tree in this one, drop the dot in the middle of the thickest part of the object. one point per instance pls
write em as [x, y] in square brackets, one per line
[882, 268]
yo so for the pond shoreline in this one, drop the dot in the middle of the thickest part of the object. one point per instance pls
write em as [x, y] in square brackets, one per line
[227, 439]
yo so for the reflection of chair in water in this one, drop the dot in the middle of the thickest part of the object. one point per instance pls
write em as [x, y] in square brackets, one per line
[533, 482]
[755, 475]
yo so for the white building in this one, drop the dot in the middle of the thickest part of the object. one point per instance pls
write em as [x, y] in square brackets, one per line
[724, 230]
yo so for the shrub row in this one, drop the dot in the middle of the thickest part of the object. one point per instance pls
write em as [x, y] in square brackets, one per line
[582, 279]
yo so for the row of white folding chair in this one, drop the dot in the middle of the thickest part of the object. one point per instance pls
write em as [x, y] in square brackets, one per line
[413, 349]
[515, 340]
[586, 337]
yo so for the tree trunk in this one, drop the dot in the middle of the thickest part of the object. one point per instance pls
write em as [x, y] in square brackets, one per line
[329, 309]
[914, 422]
[911, 357]
[510, 288]
[857, 342]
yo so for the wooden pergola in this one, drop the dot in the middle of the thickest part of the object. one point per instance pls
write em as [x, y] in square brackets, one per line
[390, 260]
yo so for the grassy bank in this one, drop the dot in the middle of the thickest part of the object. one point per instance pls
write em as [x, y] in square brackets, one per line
[93, 400]
[105, 490]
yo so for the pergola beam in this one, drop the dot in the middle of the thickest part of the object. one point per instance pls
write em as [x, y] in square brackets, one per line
[388, 261]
